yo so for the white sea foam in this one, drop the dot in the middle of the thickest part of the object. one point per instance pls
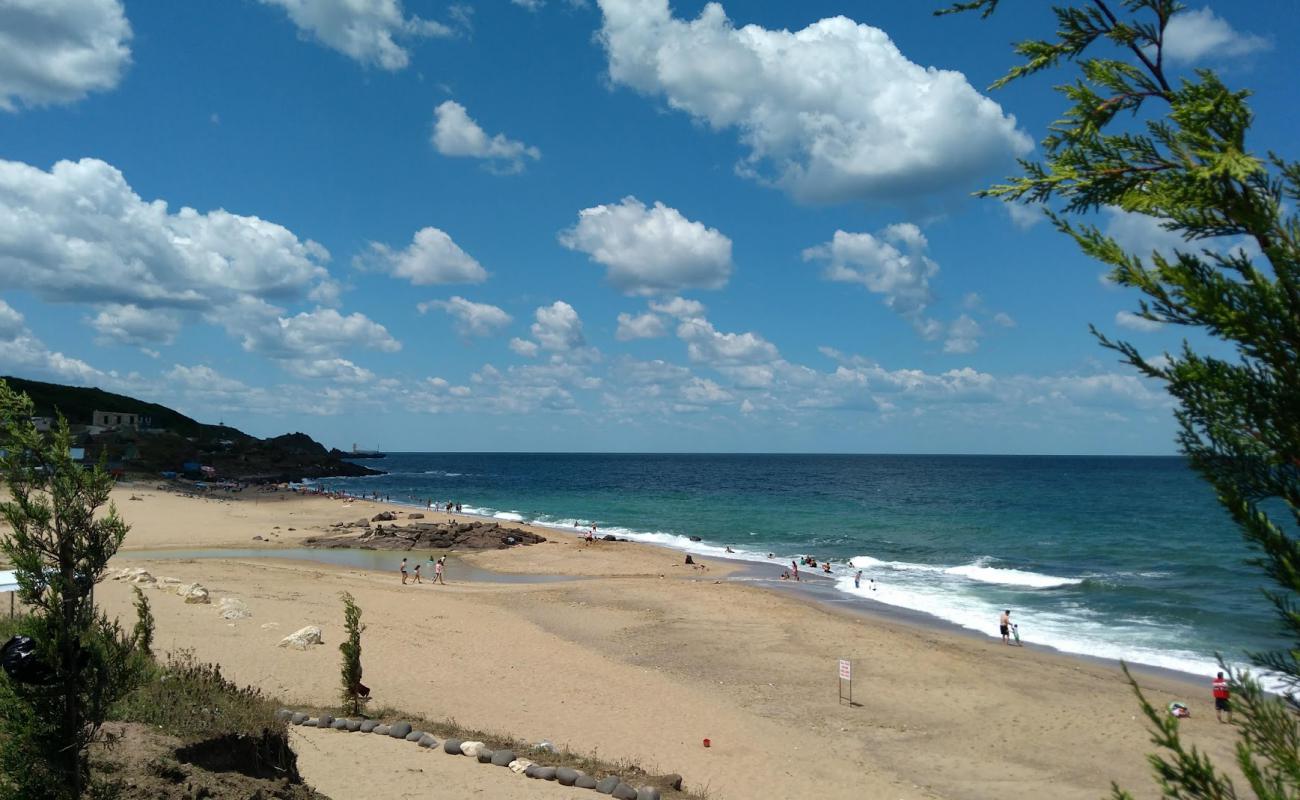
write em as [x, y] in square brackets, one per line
[1011, 577]
[509, 516]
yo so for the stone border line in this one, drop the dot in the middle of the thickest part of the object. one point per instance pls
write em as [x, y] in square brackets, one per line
[611, 785]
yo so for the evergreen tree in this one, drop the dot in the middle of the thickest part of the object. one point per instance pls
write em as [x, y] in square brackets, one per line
[142, 636]
[354, 693]
[1179, 156]
[58, 545]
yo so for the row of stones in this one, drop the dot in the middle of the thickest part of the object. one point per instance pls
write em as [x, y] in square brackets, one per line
[566, 776]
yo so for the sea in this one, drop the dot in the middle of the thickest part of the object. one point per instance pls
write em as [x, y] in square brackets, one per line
[1116, 557]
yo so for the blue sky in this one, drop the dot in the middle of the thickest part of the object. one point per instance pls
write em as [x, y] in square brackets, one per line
[565, 225]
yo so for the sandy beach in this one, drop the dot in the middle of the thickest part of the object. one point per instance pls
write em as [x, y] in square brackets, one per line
[641, 657]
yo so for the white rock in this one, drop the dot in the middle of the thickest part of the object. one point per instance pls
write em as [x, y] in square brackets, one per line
[193, 593]
[139, 576]
[519, 765]
[471, 749]
[302, 639]
[233, 608]
[270, 626]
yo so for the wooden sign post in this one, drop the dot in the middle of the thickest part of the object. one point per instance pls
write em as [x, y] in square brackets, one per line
[846, 676]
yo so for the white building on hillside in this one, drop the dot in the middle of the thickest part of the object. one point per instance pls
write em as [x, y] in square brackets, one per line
[118, 419]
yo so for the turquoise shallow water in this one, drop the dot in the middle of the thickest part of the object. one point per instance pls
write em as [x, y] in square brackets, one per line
[1114, 557]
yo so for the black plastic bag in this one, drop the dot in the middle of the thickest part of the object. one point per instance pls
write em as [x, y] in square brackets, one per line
[21, 663]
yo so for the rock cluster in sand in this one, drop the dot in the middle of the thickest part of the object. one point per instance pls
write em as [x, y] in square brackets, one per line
[612, 785]
[475, 535]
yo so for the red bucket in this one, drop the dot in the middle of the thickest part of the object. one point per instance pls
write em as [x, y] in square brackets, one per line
[708, 743]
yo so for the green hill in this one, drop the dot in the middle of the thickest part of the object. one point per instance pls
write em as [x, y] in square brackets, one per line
[78, 403]
[174, 440]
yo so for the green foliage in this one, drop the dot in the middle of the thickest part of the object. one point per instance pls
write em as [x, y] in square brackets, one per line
[352, 694]
[142, 635]
[58, 545]
[1187, 165]
[194, 701]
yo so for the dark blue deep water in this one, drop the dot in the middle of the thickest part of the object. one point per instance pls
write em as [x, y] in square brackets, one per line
[1109, 556]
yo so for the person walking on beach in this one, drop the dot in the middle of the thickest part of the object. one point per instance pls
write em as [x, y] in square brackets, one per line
[1221, 695]
[795, 565]
[437, 571]
[417, 572]
[403, 571]
[1004, 624]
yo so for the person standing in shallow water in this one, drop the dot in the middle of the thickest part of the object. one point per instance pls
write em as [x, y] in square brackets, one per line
[1004, 624]
[857, 580]
[402, 569]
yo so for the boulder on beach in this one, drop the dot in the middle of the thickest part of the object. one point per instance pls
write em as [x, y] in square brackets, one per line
[415, 515]
[519, 765]
[367, 725]
[134, 575]
[324, 721]
[354, 725]
[384, 516]
[303, 638]
[193, 593]
[609, 537]
[623, 792]
[585, 781]
[502, 758]
[451, 747]
[298, 718]
[381, 730]
[673, 780]
[545, 773]
[398, 730]
[471, 748]
[647, 793]
[339, 725]
[484, 756]
[414, 736]
[427, 740]
[233, 608]
[608, 784]
[566, 776]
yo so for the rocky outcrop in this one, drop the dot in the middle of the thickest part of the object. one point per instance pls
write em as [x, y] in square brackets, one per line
[477, 535]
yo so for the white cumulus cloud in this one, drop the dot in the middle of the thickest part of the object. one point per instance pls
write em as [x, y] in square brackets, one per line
[831, 113]
[58, 51]
[1127, 319]
[130, 324]
[317, 334]
[431, 258]
[891, 263]
[641, 326]
[558, 327]
[649, 251]
[22, 352]
[705, 344]
[1192, 35]
[364, 30]
[79, 233]
[456, 134]
[472, 319]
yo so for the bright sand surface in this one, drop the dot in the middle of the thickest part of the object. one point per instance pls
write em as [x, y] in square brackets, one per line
[642, 659]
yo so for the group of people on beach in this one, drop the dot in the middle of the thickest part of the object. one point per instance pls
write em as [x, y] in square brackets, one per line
[439, 567]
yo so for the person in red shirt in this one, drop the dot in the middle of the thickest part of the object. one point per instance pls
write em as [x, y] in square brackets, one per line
[1221, 695]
